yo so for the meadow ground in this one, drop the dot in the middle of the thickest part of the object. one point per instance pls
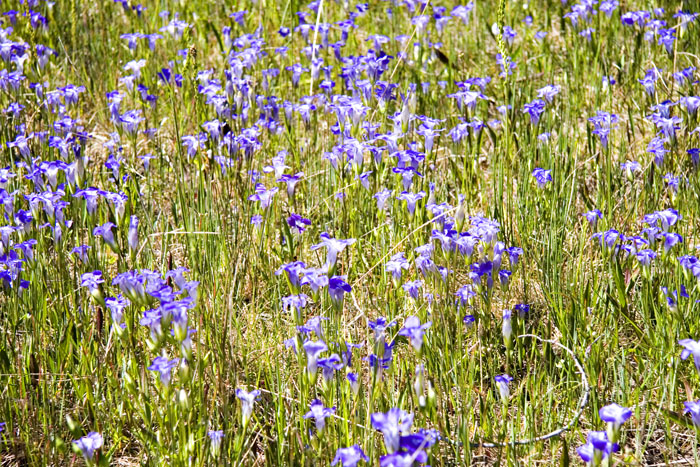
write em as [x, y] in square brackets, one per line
[391, 233]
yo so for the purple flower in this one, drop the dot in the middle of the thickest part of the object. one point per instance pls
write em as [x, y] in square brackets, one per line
[507, 327]
[645, 257]
[502, 382]
[329, 366]
[429, 134]
[514, 254]
[587, 453]
[597, 448]
[278, 164]
[548, 92]
[691, 104]
[133, 234]
[116, 306]
[603, 122]
[663, 219]
[587, 33]
[693, 408]
[354, 382]
[175, 28]
[402, 459]
[691, 264]
[91, 195]
[608, 7]
[349, 457]
[421, 23]
[337, 288]
[315, 278]
[298, 223]
[691, 347]
[465, 294]
[131, 39]
[672, 299]
[615, 415]
[263, 195]
[467, 99]
[411, 200]
[291, 181]
[593, 216]
[649, 81]
[364, 179]
[446, 238]
[213, 127]
[462, 12]
[509, 34]
[392, 424]
[671, 239]
[164, 366]
[297, 302]
[130, 121]
[630, 167]
[105, 231]
[667, 125]
[484, 229]
[71, 93]
[459, 132]
[291, 343]
[684, 76]
[215, 436]
[319, 413]
[657, 147]
[465, 243]
[21, 142]
[87, 445]
[379, 327]
[91, 280]
[523, 309]
[608, 239]
[686, 18]
[666, 38]
[535, 109]
[396, 264]
[542, 176]
[313, 349]
[256, 220]
[502, 62]
[193, 143]
[407, 174]
[417, 443]
[382, 197]
[247, 401]
[412, 288]
[313, 325]
[482, 270]
[672, 182]
[297, 69]
[608, 81]
[414, 330]
[333, 247]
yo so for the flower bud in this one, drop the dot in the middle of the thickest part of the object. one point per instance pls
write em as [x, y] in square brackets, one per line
[183, 399]
[185, 371]
[507, 329]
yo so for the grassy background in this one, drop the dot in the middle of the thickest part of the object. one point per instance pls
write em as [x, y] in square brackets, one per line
[64, 372]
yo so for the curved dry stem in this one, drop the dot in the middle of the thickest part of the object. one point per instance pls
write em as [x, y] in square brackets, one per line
[581, 405]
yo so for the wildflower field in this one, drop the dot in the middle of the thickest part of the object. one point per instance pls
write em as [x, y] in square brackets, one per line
[395, 233]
